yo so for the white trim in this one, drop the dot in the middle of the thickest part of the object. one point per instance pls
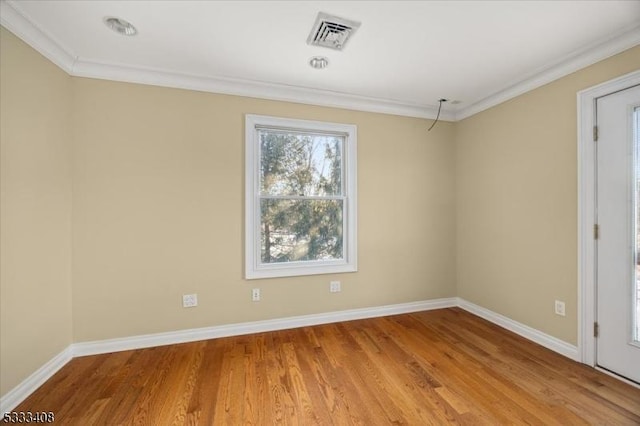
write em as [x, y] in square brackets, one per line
[586, 210]
[255, 89]
[24, 389]
[196, 334]
[12, 18]
[18, 394]
[205, 333]
[543, 339]
[19, 24]
[254, 268]
[619, 42]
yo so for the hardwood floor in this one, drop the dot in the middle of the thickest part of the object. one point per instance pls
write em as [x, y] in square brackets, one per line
[435, 367]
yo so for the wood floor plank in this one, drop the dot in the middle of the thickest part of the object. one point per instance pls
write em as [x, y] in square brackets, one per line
[201, 403]
[426, 368]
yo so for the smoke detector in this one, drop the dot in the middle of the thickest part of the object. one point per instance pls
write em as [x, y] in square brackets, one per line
[331, 31]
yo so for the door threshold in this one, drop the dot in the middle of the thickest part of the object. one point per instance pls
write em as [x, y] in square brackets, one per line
[617, 376]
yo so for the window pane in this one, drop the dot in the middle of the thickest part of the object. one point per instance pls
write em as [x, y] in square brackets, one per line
[301, 230]
[300, 164]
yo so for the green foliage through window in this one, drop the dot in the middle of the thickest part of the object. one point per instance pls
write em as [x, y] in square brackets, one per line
[301, 196]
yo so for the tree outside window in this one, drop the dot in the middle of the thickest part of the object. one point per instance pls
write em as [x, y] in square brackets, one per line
[300, 197]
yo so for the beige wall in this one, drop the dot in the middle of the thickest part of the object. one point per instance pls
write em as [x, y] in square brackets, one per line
[35, 211]
[517, 201]
[158, 212]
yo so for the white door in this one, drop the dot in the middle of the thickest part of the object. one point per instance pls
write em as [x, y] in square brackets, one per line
[617, 213]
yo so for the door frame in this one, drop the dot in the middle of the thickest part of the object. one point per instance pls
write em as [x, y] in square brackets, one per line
[586, 210]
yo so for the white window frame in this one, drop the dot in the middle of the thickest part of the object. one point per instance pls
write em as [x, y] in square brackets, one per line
[254, 268]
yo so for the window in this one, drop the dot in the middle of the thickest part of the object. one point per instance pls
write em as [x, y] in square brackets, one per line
[300, 197]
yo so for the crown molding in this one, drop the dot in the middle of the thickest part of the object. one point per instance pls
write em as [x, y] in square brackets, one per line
[24, 28]
[12, 18]
[624, 39]
[253, 89]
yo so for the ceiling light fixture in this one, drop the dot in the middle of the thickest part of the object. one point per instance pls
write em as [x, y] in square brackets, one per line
[120, 26]
[318, 62]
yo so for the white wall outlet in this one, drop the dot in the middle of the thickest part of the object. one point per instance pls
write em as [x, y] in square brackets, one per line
[335, 287]
[560, 308]
[255, 295]
[189, 300]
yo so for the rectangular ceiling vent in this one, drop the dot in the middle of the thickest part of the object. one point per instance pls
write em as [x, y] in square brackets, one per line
[331, 31]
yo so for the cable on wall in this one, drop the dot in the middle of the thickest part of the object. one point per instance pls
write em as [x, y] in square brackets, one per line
[440, 101]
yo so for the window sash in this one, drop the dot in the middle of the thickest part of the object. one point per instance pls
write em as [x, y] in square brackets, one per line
[281, 130]
[280, 244]
[299, 131]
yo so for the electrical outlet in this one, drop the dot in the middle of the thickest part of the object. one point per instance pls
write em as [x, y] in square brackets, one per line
[335, 287]
[560, 308]
[189, 300]
[255, 295]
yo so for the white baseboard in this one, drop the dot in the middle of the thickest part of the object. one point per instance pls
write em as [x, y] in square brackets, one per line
[543, 339]
[24, 389]
[195, 334]
[29, 385]
[18, 394]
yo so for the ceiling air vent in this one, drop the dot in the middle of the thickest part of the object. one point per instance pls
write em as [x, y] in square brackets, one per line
[331, 31]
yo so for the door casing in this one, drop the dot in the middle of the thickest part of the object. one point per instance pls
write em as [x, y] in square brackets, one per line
[586, 211]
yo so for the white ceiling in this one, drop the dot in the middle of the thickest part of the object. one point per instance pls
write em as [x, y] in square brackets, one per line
[405, 56]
